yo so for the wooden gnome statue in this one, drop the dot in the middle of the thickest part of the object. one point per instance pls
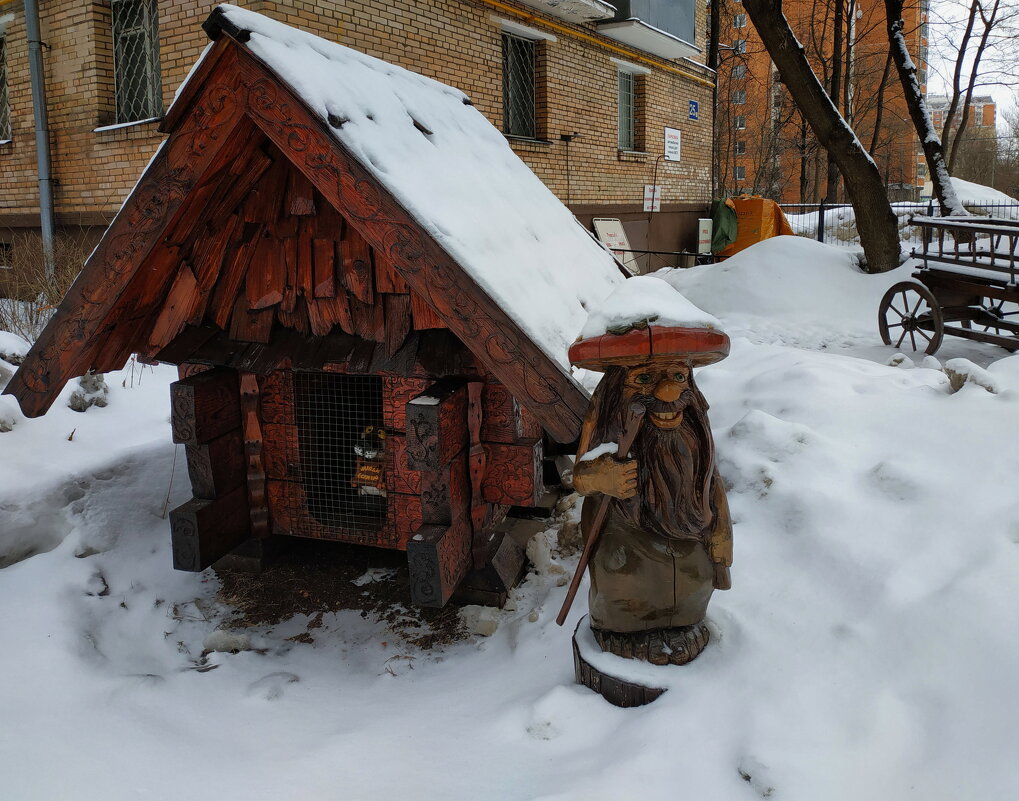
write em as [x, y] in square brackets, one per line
[665, 540]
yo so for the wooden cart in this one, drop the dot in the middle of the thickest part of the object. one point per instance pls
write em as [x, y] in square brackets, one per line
[966, 286]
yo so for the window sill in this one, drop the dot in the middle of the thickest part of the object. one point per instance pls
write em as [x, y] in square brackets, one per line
[632, 155]
[5, 141]
[527, 140]
[121, 125]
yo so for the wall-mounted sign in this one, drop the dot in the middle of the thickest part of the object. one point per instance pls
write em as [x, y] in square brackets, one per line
[652, 198]
[694, 109]
[672, 144]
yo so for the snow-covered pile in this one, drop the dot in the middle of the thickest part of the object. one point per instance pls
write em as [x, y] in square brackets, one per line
[455, 173]
[790, 288]
[866, 650]
[646, 298]
[978, 194]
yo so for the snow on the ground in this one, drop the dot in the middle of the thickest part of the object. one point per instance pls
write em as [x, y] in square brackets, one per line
[975, 194]
[866, 650]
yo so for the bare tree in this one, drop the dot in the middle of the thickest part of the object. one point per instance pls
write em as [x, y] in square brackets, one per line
[984, 55]
[920, 114]
[874, 217]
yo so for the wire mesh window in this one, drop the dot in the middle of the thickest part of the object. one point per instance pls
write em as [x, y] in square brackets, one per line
[5, 108]
[627, 110]
[136, 60]
[518, 74]
[343, 449]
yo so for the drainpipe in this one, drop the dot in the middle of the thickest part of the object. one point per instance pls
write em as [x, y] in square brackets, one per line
[42, 132]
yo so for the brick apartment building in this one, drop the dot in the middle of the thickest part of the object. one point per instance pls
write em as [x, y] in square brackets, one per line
[582, 89]
[765, 147]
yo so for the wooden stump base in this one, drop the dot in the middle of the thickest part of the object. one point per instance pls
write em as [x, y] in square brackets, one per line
[615, 689]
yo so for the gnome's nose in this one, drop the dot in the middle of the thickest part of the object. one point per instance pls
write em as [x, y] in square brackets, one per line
[668, 390]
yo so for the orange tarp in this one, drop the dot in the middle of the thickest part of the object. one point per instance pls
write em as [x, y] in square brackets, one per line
[757, 218]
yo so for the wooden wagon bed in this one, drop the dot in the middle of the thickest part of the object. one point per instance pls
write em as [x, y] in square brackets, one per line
[965, 287]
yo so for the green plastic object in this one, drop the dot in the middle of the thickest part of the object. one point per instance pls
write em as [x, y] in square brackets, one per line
[723, 225]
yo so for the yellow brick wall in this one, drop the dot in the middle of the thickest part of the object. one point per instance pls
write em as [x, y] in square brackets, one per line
[455, 41]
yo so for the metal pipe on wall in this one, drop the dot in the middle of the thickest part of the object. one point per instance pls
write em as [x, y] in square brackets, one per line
[42, 131]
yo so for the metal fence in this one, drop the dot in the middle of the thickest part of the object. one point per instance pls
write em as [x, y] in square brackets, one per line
[836, 224]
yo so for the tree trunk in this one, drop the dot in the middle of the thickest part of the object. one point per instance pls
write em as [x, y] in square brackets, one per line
[874, 218]
[918, 112]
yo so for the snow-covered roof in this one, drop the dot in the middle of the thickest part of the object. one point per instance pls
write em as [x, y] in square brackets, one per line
[455, 174]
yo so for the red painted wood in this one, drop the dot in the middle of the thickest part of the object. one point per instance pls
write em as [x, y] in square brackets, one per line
[252, 430]
[178, 308]
[387, 277]
[357, 265]
[437, 425]
[396, 392]
[250, 326]
[324, 259]
[397, 321]
[423, 314]
[266, 274]
[300, 194]
[513, 473]
[369, 320]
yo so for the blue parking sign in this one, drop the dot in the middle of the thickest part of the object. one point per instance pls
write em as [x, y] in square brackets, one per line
[693, 109]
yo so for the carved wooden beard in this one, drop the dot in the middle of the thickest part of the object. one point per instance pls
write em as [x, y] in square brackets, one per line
[674, 468]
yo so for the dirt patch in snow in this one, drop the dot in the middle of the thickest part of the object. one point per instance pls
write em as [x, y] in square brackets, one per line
[313, 578]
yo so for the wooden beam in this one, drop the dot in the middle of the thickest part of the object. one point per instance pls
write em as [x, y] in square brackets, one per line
[203, 531]
[438, 558]
[217, 466]
[204, 406]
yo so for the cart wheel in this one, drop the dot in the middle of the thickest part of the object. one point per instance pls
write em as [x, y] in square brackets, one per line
[1006, 311]
[909, 310]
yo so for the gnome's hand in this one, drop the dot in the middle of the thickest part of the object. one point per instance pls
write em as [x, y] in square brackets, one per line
[606, 475]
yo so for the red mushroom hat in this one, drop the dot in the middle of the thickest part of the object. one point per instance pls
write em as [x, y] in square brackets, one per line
[646, 320]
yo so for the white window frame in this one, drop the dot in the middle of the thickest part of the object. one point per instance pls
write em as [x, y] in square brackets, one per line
[738, 97]
[739, 173]
[739, 20]
[739, 122]
[627, 118]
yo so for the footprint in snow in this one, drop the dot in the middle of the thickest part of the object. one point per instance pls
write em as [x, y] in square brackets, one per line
[271, 687]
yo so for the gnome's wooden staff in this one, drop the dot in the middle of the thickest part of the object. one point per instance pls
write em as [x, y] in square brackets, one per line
[635, 414]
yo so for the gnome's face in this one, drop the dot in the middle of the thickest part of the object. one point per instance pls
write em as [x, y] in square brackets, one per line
[660, 386]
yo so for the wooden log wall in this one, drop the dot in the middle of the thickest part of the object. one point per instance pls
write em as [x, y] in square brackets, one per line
[206, 419]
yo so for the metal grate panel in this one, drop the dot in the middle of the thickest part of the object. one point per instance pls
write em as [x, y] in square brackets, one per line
[518, 113]
[5, 108]
[344, 456]
[136, 60]
[627, 111]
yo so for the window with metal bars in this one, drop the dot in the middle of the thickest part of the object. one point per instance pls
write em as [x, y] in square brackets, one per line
[627, 110]
[343, 449]
[136, 60]
[5, 108]
[518, 86]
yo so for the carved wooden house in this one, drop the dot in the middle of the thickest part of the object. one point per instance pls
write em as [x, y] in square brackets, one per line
[368, 295]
